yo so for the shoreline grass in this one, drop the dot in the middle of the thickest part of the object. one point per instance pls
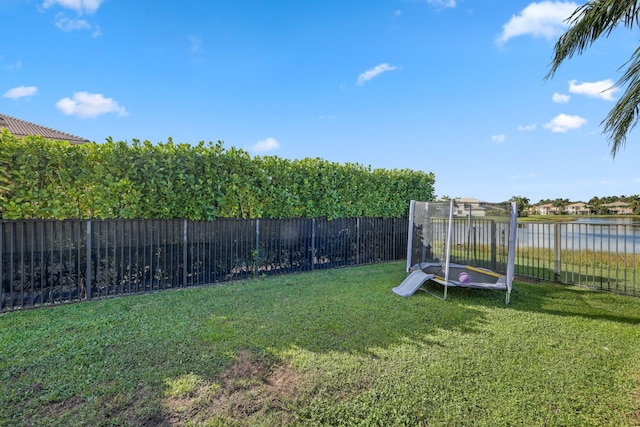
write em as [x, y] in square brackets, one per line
[333, 347]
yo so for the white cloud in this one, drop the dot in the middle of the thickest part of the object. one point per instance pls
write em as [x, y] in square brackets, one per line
[268, 144]
[85, 104]
[68, 24]
[564, 122]
[80, 6]
[544, 19]
[442, 3]
[528, 128]
[560, 98]
[374, 72]
[602, 89]
[21, 92]
[16, 66]
[499, 138]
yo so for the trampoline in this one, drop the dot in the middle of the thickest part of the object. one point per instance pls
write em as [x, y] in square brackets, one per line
[463, 243]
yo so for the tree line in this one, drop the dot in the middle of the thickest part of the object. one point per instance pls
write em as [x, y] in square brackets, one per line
[596, 203]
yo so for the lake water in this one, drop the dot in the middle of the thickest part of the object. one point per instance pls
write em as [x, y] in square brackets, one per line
[620, 235]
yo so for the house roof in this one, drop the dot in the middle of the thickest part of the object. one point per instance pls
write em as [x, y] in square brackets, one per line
[21, 128]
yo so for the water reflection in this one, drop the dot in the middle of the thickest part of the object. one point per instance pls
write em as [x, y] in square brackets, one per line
[608, 221]
[600, 234]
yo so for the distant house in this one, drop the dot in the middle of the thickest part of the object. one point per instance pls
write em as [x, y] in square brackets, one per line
[618, 208]
[578, 209]
[461, 207]
[547, 209]
[20, 129]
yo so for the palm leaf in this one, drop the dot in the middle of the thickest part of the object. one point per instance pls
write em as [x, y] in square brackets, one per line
[588, 23]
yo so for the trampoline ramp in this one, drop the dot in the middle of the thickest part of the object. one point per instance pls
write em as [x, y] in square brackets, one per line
[412, 283]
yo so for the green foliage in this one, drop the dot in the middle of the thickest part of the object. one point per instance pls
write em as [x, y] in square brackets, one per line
[40, 178]
[523, 204]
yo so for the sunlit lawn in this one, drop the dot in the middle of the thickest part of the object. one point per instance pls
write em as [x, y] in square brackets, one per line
[332, 347]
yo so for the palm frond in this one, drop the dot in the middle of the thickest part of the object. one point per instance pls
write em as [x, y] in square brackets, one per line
[591, 21]
[624, 116]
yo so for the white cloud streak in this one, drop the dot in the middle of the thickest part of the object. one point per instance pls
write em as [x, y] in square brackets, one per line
[442, 3]
[544, 19]
[85, 104]
[560, 98]
[564, 122]
[21, 92]
[374, 72]
[528, 128]
[500, 138]
[67, 24]
[81, 6]
[603, 89]
[15, 66]
[265, 145]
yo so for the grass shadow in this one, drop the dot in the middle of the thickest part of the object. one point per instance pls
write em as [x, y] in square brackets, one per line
[569, 300]
[343, 310]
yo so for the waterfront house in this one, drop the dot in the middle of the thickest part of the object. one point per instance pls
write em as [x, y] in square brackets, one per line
[461, 207]
[618, 208]
[547, 209]
[578, 209]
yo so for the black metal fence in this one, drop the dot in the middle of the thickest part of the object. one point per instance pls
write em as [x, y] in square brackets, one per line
[53, 262]
[602, 256]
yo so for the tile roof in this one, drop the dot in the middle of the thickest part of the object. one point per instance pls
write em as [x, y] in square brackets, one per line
[21, 128]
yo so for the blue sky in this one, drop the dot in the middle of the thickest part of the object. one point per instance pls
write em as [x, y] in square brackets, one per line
[453, 87]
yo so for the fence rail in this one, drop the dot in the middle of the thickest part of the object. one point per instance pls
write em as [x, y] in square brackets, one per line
[53, 262]
[599, 256]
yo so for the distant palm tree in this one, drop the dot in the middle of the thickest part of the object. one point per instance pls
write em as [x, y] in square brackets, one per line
[588, 23]
[522, 203]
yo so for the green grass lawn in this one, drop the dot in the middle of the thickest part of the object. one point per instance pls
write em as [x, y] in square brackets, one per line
[333, 347]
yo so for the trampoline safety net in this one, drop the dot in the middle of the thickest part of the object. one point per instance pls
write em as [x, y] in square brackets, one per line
[465, 232]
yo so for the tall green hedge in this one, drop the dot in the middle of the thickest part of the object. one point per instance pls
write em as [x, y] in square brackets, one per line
[40, 178]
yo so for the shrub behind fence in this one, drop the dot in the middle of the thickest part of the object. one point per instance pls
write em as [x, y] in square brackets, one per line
[52, 262]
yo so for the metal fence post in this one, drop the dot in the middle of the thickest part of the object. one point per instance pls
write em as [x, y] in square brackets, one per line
[184, 254]
[89, 272]
[357, 241]
[313, 243]
[494, 245]
[557, 253]
[257, 251]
